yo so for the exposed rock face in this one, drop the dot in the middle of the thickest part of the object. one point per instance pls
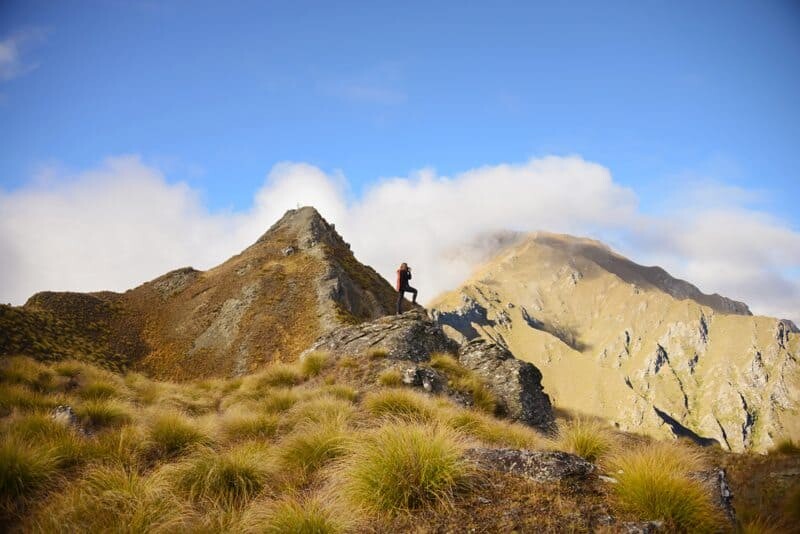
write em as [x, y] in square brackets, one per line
[716, 482]
[633, 345]
[298, 280]
[410, 336]
[538, 466]
[517, 384]
[414, 337]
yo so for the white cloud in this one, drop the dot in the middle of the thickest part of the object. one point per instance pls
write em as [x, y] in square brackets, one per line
[123, 223]
[12, 64]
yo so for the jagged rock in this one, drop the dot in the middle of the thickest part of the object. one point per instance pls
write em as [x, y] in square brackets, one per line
[516, 384]
[641, 527]
[539, 466]
[423, 377]
[288, 251]
[410, 336]
[716, 482]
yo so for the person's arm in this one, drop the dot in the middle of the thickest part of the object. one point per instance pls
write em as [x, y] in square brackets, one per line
[409, 273]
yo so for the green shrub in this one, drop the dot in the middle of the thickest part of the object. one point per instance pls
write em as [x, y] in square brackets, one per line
[653, 483]
[403, 467]
[399, 403]
[230, 478]
[313, 364]
[588, 439]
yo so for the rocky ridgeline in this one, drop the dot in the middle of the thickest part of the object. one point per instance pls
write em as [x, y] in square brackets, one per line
[413, 338]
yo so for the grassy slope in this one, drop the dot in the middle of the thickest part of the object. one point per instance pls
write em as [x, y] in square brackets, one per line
[316, 445]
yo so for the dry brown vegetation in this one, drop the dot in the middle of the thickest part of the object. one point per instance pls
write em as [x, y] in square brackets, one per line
[311, 448]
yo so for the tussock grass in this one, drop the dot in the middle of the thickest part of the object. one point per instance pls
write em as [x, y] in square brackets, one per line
[230, 478]
[26, 371]
[278, 401]
[172, 433]
[492, 431]
[146, 392]
[18, 397]
[377, 354]
[653, 483]
[299, 516]
[122, 446]
[441, 361]
[102, 413]
[341, 391]
[25, 469]
[99, 390]
[465, 381]
[347, 362]
[589, 439]
[399, 403]
[404, 466]
[322, 409]
[314, 363]
[786, 446]
[41, 430]
[310, 447]
[239, 424]
[115, 498]
[280, 375]
[390, 377]
[482, 398]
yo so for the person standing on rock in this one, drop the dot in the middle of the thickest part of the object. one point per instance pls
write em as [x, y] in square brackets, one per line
[403, 276]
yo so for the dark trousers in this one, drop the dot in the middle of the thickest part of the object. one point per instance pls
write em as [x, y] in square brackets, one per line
[404, 289]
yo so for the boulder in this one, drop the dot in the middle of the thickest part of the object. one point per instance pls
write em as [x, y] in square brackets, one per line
[410, 336]
[516, 384]
[538, 466]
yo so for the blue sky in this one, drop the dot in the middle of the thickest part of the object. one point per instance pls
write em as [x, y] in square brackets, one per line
[665, 95]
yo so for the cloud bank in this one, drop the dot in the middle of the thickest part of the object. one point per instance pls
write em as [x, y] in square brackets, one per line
[12, 64]
[123, 223]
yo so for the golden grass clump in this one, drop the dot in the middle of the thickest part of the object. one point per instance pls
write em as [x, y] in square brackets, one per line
[653, 483]
[390, 377]
[588, 438]
[99, 390]
[341, 391]
[786, 446]
[399, 403]
[280, 375]
[18, 397]
[492, 431]
[102, 413]
[25, 469]
[441, 361]
[321, 409]
[145, 391]
[229, 478]
[377, 354]
[42, 430]
[23, 370]
[310, 515]
[172, 433]
[280, 400]
[115, 498]
[310, 447]
[464, 380]
[404, 466]
[238, 424]
[314, 363]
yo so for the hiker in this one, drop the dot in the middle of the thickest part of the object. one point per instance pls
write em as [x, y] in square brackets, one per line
[403, 276]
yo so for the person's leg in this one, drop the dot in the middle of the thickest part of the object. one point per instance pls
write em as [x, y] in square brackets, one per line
[399, 301]
[413, 291]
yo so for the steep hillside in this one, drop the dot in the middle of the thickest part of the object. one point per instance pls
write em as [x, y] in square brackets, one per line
[268, 303]
[633, 345]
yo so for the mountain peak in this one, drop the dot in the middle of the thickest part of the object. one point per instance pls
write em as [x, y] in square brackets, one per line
[306, 226]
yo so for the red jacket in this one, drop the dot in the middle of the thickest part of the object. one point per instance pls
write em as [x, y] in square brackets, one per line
[403, 276]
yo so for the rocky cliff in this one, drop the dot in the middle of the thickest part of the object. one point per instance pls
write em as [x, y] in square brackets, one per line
[268, 303]
[632, 344]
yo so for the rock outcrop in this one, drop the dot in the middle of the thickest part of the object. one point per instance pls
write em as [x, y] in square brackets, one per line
[413, 337]
[516, 384]
[538, 466]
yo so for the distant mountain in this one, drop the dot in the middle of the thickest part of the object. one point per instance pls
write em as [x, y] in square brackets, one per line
[268, 303]
[632, 344]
